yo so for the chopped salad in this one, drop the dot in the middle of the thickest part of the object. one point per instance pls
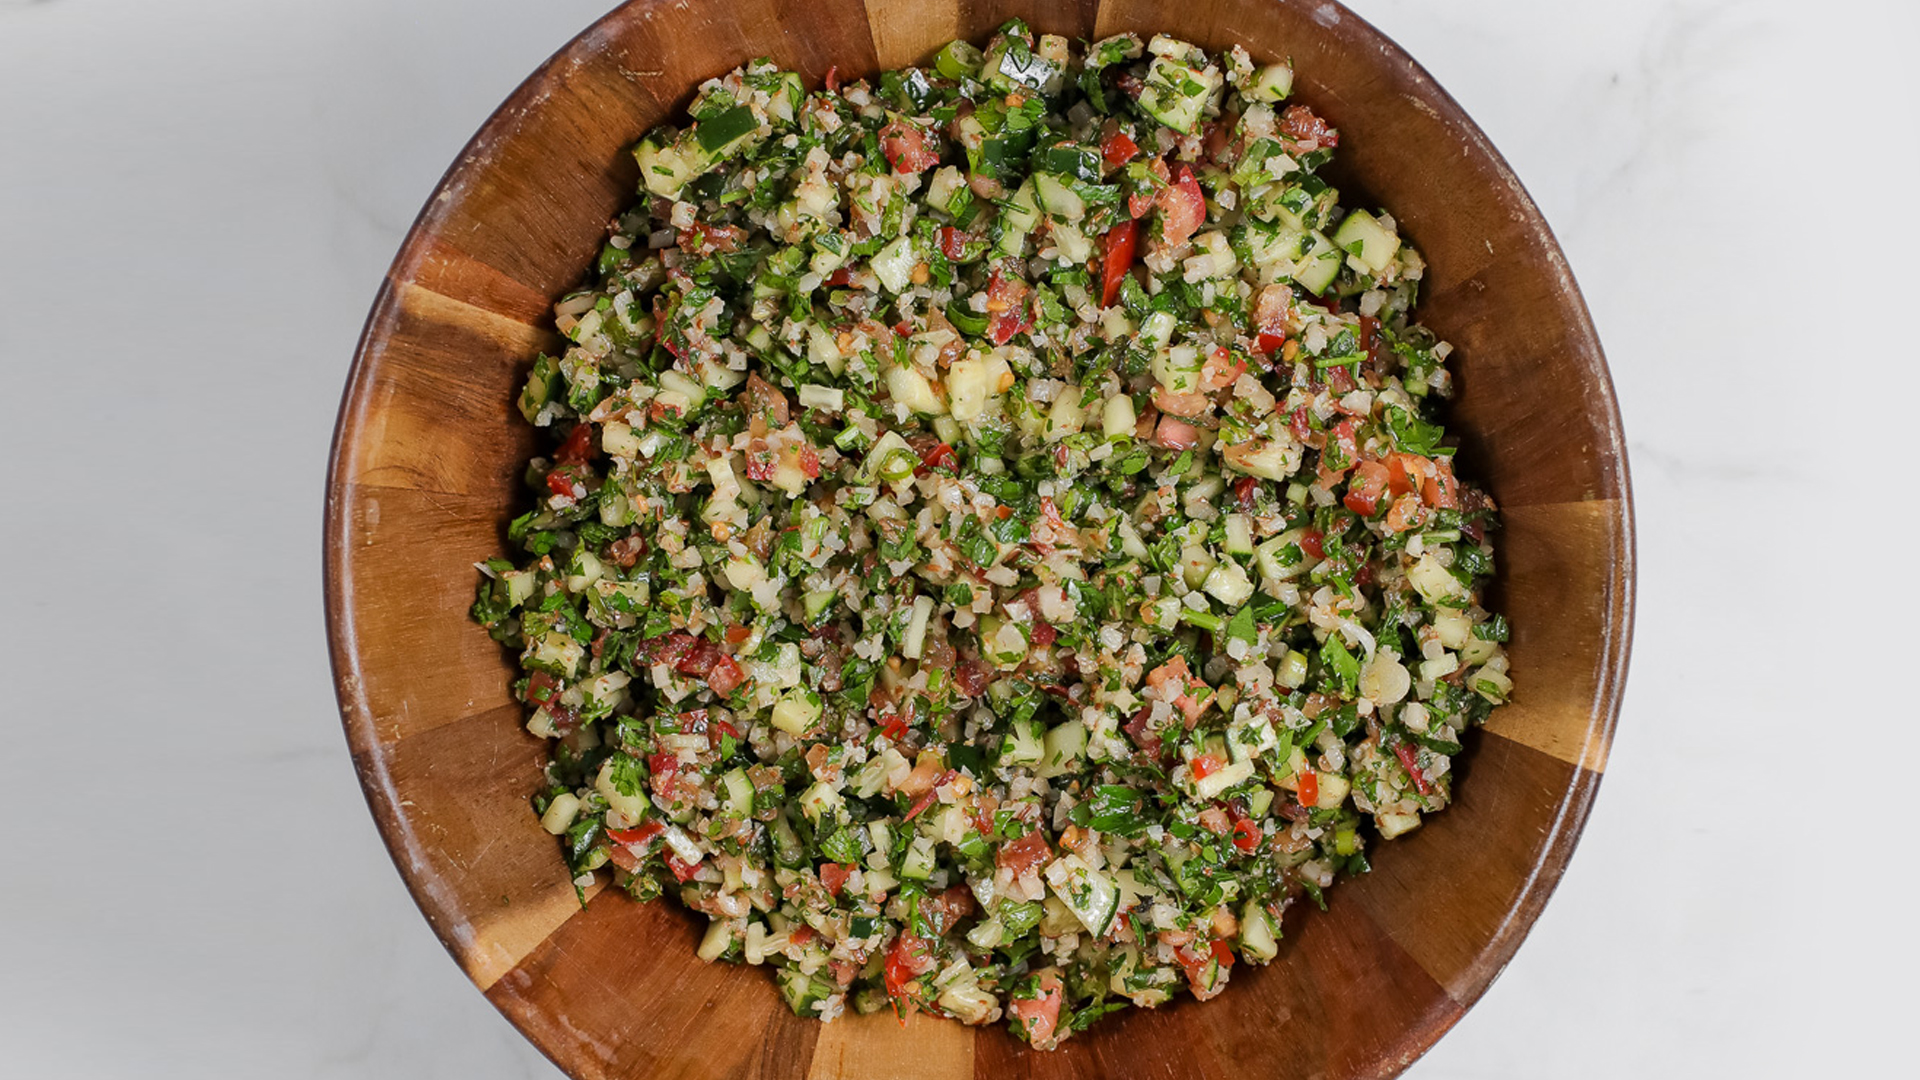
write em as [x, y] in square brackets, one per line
[997, 549]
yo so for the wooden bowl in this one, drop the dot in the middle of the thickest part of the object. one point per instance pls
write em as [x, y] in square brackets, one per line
[426, 467]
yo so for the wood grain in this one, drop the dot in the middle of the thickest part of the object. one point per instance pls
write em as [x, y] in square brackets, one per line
[425, 471]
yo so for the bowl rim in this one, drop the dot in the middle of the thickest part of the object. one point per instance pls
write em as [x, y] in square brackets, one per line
[1574, 803]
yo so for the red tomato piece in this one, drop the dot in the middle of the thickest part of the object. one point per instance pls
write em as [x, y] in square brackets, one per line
[725, 676]
[833, 876]
[1309, 788]
[1183, 209]
[910, 957]
[1120, 242]
[1410, 759]
[540, 687]
[1313, 542]
[1044, 634]
[682, 871]
[720, 729]
[1246, 835]
[1024, 854]
[1140, 730]
[1119, 149]
[638, 835]
[1369, 483]
[953, 242]
[561, 480]
[1206, 765]
[665, 768]
[905, 146]
[1039, 1017]
[578, 447]
[1243, 491]
[1007, 301]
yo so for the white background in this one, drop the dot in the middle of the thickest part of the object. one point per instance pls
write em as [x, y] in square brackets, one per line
[198, 199]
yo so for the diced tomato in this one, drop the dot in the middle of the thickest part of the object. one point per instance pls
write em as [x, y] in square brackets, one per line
[1340, 381]
[953, 242]
[1174, 433]
[665, 768]
[1441, 490]
[838, 278]
[1206, 765]
[1405, 473]
[1043, 633]
[1268, 341]
[1183, 209]
[934, 455]
[1039, 1017]
[1139, 205]
[725, 676]
[833, 79]
[578, 447]
[1007, 301]
[720, 729]
[1119, 245]
[682, 871]
[808, 459]
[833, 876]
[1118, 149]
[905, 146]
[1345, 446]
[1301, 123]
[1246, 835]
[1243, 491]
[561, 481]
[1222, 954]
[1313, 542]
[895, 727]
[910, 957]
[669, 648]
[698, 659]
[800, 934]
[737, 634]
[540, 687]
[1410, 758]
[1309, 788]
[1300, 426]
[971, 677]
[1024, 854]
[1364, 490]
[637, 836]
[1140, 730]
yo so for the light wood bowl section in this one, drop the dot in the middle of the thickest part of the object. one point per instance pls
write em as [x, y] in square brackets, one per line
[425, 474]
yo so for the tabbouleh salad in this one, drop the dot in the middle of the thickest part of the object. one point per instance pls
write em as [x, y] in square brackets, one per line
[996, 550]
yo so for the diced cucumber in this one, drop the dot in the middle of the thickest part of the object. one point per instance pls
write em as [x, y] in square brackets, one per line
[894, 264]
[1256, 932]
[1271, 83]
[788, 851]
[1057, 197]
[1064, 746]
[1022, 744]
[820, 801]
[739, 791]
[1089, 894]
[1318, 267]
[1156, 330]
[1017, 219]
[797, 711]
[1176, 94]
[1228, 583]
[917, 863]
[912, 389]
[803, 992]
[663, 168]
[1282, 557]
[971, 383]
[1362, 236]
[715, 943]
[1177, 368]
[916, 637]
[1239, 529]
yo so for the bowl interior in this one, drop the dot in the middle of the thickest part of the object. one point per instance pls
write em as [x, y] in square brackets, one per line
[425, 471]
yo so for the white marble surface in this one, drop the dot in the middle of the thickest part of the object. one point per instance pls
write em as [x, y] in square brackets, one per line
[198, 197]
